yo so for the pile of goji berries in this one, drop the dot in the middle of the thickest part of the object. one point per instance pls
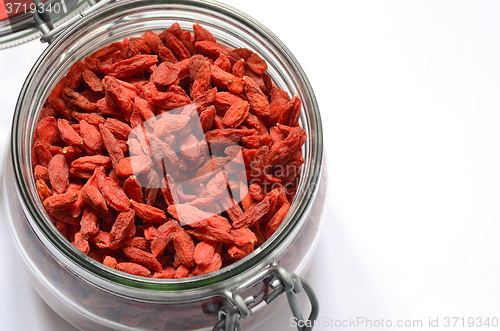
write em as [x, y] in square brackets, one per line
[168, 155]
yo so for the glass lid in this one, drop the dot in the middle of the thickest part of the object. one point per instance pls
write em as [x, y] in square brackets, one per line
[18, 18]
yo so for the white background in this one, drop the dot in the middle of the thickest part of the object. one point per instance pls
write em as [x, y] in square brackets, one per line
[409, 93]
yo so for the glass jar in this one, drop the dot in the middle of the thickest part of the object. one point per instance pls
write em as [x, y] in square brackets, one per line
[92, 296]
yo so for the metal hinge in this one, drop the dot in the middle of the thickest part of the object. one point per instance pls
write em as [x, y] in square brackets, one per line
[284, 282]
[46, 26]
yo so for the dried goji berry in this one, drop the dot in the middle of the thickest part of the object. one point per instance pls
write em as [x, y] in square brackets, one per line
[166, 54]
[151, 40]
[225, 80]
[200, 33]
[92, 196]
[133, 189]
[210, 48]
[134, 165]
[168, 190]
[46, 131]
[243, 236]
[232, 209]
[216, 187]
[257, 141]
[166, 100]
[81, 243]
[164, 154]
[132, 66]
[253, 214]
[184, 248]
[43, 190]
[91, 162]
[256, 191]
[238, 69]
[75, 210]
[138, 242]
[91, 136]
[137, 46]
[189, 215]
[207, 118]
[164, 235]
[165, 74]
[152, 188]
[210, 234]
[110, 261]
[54, 150]
[236, 114]
[228, 135]
[168, 123]
[134, 147]
[145, 110]
[256, 64]
[41, 155]
[58, 173]
[120, 226]
[60, 201]
[116, 97]
[89, 223]
[202, 82]
[190, 147]
[103, 240]
[143, 258]
[275, 222]
[74, 76]
[203, 253]
[256, 98]
[176, 46]
[111, 145]
[133, 269]
[188, 41]
[68, 134]
[93, 81]
[149, 213]
[182, 271]
[119, 129]
[77, 100]
[141, 121]
[223, 63]
[62, 228]
[214, 265]
[283, 151]
[113, 194]
[42, 173]
[291, 113]
[167, 272]
[242, 52]
[238, 252]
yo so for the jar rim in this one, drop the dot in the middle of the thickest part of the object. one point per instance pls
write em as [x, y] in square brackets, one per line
[306, 192]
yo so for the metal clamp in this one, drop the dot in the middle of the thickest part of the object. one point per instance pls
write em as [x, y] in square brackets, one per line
[46, 26]
[284, 282]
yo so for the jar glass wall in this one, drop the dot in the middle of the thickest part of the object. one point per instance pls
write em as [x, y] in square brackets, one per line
[92, 296]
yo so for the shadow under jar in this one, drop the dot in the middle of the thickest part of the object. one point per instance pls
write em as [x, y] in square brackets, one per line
[92, 296]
